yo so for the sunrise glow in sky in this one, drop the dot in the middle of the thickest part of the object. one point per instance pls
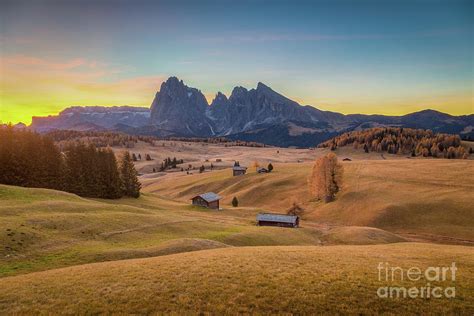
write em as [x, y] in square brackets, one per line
[385, 57]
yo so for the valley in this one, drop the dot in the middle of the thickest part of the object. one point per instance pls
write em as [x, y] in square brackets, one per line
[236, 158]
[415, 210]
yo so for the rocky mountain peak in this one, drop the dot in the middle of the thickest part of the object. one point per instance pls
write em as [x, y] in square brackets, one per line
[263, 87]
[238, 91]
[219, 99]
[173, 87]
[177, 107]
[259, 114]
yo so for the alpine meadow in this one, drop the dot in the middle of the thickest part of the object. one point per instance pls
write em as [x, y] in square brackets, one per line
[236, 158]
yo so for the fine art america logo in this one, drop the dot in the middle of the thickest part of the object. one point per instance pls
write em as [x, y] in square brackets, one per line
[432, 277]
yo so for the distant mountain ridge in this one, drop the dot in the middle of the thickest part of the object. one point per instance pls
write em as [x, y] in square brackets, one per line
[259, 114]
[92, 118]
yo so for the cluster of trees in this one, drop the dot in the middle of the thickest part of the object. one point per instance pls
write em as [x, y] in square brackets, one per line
[117, 139]
[416, 142]
[170, 163]
[100, 139]
[26, 159]
[326, 178]
[218, 140]
[139, 157]
[31, 160]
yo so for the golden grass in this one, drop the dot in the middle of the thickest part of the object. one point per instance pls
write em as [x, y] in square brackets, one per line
[198, 154]
[355, 235]
[416, 196]
[263, 280]
[419, 198]
[406, 196]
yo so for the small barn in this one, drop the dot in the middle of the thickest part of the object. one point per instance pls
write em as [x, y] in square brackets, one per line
[238, 171]
[209, 200]
[262, 170]
[279, 220]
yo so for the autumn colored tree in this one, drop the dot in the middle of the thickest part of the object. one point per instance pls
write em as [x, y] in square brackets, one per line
[395, 140]
[295, 209]
[255, 164]
[326, 178]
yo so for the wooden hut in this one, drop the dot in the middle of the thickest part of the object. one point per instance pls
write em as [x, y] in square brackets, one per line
[280, 220]
[209, 200]
[238, 171]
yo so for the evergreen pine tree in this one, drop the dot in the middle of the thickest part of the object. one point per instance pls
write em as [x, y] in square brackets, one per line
[130, 184]
[366, 148]
[270, 167]
[113, 187]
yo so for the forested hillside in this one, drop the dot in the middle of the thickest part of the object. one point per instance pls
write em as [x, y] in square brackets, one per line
[416, 142]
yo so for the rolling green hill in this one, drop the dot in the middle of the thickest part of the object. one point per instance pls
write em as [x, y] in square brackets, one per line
[44, 229]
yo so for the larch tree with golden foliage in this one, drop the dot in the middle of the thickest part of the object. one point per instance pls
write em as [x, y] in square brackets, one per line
[256, 165]
[326, 178]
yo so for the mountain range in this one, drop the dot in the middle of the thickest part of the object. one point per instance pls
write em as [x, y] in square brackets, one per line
[259, 114]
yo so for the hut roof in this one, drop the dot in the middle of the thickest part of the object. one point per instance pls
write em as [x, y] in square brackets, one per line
[239, 168]
[280, 218]
[208, 197]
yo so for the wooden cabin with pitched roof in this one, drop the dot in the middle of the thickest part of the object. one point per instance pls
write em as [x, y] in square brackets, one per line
[209, 200]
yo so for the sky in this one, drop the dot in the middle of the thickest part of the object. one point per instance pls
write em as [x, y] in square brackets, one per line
[384, 57]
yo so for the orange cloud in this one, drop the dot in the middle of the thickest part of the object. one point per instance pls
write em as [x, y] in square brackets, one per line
[33, 86]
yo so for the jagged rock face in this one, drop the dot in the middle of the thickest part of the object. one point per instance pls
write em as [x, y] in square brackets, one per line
[249, 109]
[181, 109]
[219, 113]
[259, 114]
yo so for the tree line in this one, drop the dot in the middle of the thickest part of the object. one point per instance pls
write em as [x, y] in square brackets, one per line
[99, 139]
[393, 140]
[32, 160]
[118, 139]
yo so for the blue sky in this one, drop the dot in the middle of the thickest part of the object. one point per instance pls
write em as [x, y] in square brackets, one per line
[389, 57]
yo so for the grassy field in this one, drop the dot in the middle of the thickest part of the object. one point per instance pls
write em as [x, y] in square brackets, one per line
[428, 198]
[63, 253]
[219, 155]
[263, 280]
[44, 229]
